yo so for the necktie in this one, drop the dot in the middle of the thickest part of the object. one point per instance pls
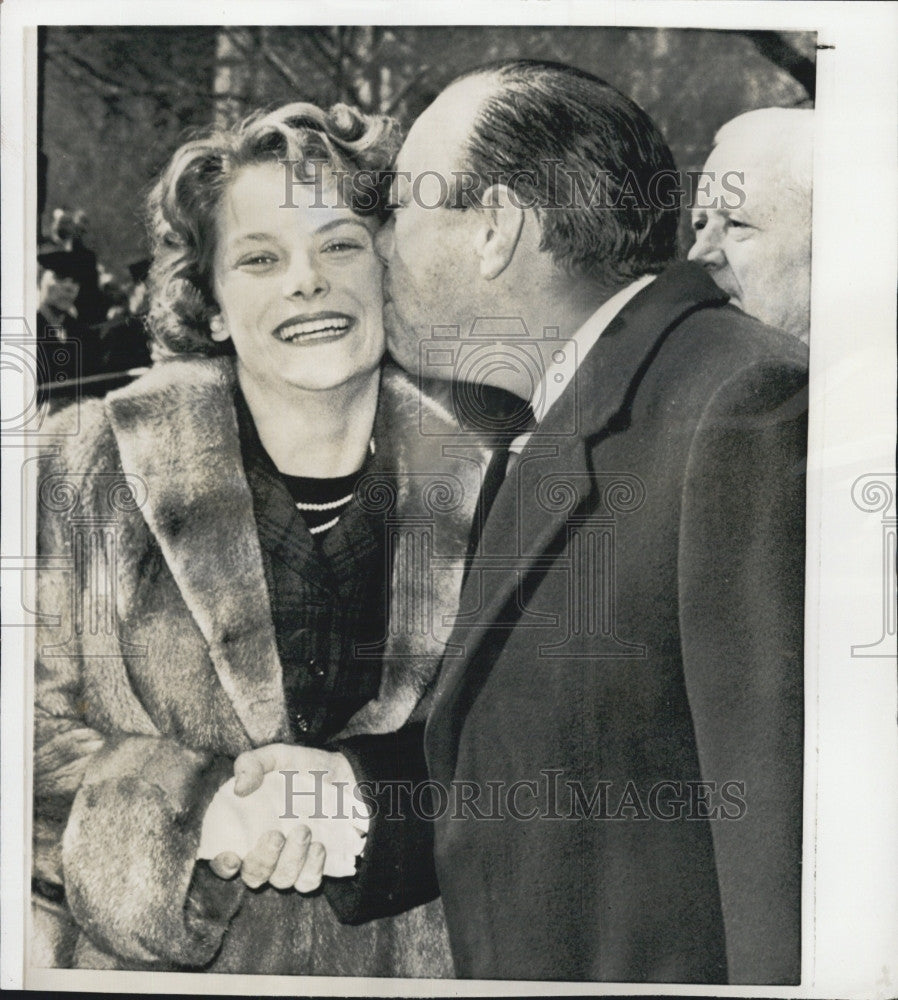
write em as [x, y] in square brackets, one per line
[500, 464]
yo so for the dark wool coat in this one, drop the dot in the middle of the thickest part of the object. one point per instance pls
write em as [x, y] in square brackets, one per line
[633, 623]
[157, 666]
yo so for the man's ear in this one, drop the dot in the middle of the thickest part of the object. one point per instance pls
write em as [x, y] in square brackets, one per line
[502, 220]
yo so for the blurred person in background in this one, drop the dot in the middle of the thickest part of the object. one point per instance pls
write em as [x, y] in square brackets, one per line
[58, 289]
[124, 338]
[65, 345]
[757, 245]
[90, 303]
[68, 231]
[115, 298]
[61, 230]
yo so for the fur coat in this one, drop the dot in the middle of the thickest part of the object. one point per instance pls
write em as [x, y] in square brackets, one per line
[157, 665]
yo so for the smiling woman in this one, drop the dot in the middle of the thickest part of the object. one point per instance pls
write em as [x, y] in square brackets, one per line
[299, 287]
[257, 594]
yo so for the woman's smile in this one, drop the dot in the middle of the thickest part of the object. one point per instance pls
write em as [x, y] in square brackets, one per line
[321, 327]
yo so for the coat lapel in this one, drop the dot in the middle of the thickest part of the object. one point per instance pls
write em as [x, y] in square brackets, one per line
[556, 475]
[176, 428]
[428, 498]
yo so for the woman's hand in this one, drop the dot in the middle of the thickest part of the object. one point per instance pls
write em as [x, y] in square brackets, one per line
[292, 861]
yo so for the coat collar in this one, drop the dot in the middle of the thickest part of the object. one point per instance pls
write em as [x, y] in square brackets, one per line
[555, 474]
[176, 428]
[594, 405]
[428, 500]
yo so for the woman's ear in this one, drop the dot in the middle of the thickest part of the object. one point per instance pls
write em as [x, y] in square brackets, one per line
[217, 329]
[502, 221]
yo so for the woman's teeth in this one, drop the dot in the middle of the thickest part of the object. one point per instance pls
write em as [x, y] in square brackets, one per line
[313, 329]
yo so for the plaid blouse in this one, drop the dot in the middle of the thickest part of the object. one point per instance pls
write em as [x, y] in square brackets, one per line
[329, 596]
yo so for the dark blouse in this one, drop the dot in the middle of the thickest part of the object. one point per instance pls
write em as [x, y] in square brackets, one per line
[329, 596]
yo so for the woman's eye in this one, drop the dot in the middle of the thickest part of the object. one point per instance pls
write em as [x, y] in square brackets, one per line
[698, 224]
[256, 260]
[342, 246]
[738, 224]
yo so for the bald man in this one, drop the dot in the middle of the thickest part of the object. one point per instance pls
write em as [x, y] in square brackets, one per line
[756, 243]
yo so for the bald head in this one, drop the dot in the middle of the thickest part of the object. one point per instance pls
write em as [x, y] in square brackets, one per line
[780, 138]
[757, 245]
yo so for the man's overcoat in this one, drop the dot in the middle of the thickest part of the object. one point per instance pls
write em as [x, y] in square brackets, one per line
[631, 656]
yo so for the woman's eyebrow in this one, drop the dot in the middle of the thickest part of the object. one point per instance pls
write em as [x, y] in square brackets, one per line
[257, 237]
[335, 223]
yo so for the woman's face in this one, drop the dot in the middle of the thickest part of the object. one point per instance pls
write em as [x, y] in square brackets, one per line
[299, 285]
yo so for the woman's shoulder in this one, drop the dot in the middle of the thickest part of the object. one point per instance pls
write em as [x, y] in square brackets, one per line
[410, 398]
[174, 381]
[78, 437]
[82, 437]
[77, 465]
[444, 406]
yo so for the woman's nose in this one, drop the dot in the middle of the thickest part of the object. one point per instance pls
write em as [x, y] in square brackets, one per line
[304, 278]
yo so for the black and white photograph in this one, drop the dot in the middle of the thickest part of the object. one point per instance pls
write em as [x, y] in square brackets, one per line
[449, 471]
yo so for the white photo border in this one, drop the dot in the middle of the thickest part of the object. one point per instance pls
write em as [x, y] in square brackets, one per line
[850, 890]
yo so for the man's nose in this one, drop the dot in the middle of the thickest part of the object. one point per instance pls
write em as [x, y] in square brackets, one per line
[383, 241]
[706, 250]
[304, 278]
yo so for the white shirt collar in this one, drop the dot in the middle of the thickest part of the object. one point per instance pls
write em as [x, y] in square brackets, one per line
[559, 374]
[583, 340]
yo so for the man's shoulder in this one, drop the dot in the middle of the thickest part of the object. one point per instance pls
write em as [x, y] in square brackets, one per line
[702, 339]
[725, 332]
[734, 362]
[721, 361]
[695, 316]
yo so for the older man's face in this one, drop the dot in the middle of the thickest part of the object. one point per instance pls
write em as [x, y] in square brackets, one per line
[759, 252]
[429, 244]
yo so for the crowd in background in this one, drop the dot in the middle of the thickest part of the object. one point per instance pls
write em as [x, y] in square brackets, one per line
[83, 306]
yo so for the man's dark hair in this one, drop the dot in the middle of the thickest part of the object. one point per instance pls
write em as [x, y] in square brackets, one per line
[590, 161]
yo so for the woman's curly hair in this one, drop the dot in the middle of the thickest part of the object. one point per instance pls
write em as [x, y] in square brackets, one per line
[182, 204]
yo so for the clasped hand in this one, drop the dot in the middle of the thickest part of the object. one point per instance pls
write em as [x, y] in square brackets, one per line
[286, 833]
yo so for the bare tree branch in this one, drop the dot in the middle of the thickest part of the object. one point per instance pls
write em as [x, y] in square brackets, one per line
[79, 76]
[401, 95]
[278, 64]
[158, 91]
[317, 37]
